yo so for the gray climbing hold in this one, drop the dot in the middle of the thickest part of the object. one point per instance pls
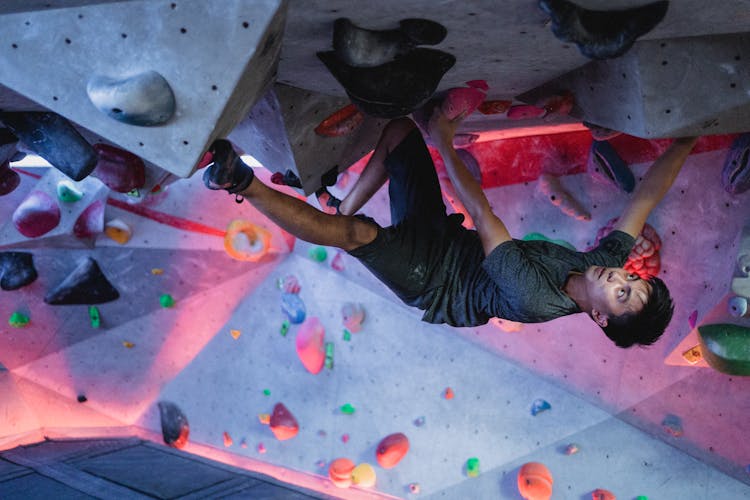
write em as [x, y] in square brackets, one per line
[145, 99]
[16, 270]
[174, 425]
[85, 285]
[735, 176]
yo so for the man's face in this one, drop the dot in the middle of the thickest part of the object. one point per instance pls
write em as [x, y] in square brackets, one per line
[613, 291]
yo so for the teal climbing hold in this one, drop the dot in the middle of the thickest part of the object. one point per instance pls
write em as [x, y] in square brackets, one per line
[726, 347]
[541, 237]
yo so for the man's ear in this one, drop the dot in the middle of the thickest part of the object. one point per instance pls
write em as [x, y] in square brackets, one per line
[600, 318]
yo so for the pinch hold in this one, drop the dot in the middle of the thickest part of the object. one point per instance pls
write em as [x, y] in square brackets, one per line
[145, 99]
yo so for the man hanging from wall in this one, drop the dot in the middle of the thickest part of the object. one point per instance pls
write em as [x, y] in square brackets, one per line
[465, 277]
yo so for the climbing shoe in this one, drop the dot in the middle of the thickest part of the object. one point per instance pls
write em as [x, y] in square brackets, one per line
[227, 171]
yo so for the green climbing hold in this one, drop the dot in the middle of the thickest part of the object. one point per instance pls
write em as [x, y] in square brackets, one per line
[18, 320]
[541, 237]
[266, 392]
[284, 328]
[472, 467]
[726, 347]
[329, 355]
[347, 336]
[68, 192]
[96, 319]
[166, 300]
[347, 409]
[134, 193]
[318, 254]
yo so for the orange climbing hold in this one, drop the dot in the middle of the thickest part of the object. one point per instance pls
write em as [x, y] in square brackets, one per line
[391, 450]
[246, 241]
[342, 122]
[448, 393]
[494, 107]
[227, 440]
[535, 481]
[340, 472]
[602, 494]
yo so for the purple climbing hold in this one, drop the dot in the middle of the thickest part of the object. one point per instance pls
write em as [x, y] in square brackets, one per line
[37, 214]
[293, 306]
[735, 176]
[16, 270]
[9, 179]
[85, 285]
[174, 425]
[91, 221]
[120, 170]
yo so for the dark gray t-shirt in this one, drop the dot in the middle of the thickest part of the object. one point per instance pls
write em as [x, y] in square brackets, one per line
[519, 280]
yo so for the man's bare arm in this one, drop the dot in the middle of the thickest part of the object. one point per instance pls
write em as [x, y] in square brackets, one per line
[491, 229]
[654, 186]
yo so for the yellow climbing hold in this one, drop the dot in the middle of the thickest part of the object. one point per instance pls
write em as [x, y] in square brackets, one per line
[127, 344]
[157, 271]
[264, 418]
[364, 475]
[235, 334]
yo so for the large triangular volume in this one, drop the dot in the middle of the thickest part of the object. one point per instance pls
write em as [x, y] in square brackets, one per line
[85, 285]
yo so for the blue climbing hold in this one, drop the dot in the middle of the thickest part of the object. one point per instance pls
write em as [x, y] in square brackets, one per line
[293, 307]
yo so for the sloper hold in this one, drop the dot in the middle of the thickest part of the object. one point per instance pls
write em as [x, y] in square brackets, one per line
[395, 88]
[16, 270]
[145, 99]
[283, 424]
[604, 163]
[36, 215]
[85, 285]
[53, 138]
[735, 176]
[9, 179]
[174, 425]
[120, 170]
[726, 347]
[601, 34]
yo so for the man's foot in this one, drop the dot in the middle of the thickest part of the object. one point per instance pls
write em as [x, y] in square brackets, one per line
[227, 171]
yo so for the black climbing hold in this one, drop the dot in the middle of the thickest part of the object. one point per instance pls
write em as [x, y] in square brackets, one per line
[395, 88]
[81, 398]
[602, 34]
[9, 179]
[735, 175]
[604, 157]
[361, 47]
[174, 425]
[16, 270]
[145, 99]
[85, 285]
[53, 138]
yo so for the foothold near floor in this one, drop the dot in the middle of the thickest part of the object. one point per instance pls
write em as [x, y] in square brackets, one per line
[472, 467]
[352, 315]
[145, 99]
[726, 347]
[120, 170]
[86, 285]
[174, 425]
[735, 175]
[602, 494]
[36, 215]
[363, 475]
[309, 344]
[535, 481]
[55, 139]
[91, 221]
[538, 406]
[572, 449]
[293, 307]
[414, 488]
[227, 439]
[391, 450]
[340, 472]
[16, 270]
[283, 424]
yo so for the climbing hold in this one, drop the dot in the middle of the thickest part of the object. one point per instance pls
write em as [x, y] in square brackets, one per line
[693, 319]
[288, 178]
[472, 467]
[394, 88]
[266, 392]
[81, 398]
[693, 355]
[554, 191]
[602, 494]
[18, 320]
[120, 170]
[602, 34]
[309, 344]
[261, 448]
[68, 192]
[36, 215]
[572, 449]
[726, 347]
[235, 334]
[352, 316]
[735, 175]
[344, 121]
[289, 284]
[120, 232]
[643, 259]
[91, 221]
[166, 300]
[535, 481]
[284, 328]
[145, 99]
[463, 101]
[599, 133]
[561, 104]
[293, 307]
[156, 271]
[16, 270]
[414, 488]
[606, 165]
[318, 254]
[448, 393]
[95, 317]
[264, 418]
[672, 424]
[329, 355]
[347, 409]
[174, 425]
[364, 475]
[246, 241]
[538, 406]
[127, 344]
[494, 107]
[525, 112]
[283, 424]
[340, 472]
[391, 450]
[419, 421]
[737, 306]
[9, 178]
[85, 285]
[345, 438]
[541, 237]
[347, 336]
[227, 440]
[53, 138]
[337, 263]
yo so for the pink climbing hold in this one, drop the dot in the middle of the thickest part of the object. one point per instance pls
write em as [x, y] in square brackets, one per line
[463, 101]
[352, 316]
[91, 221]
[391, 450]
[120, 170]
[525, 111]
[9, 179]
[310, 345]
[337, 263]
[283, 424]
[37, 214]
[693, 319]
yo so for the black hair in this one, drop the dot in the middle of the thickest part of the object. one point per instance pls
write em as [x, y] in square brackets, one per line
[646, 326]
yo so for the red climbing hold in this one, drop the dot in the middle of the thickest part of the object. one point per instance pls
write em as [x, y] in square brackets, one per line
[91, 221]
[391, 450]
[120, 170]
[37, 214]
[283, 424]
[342, 122]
